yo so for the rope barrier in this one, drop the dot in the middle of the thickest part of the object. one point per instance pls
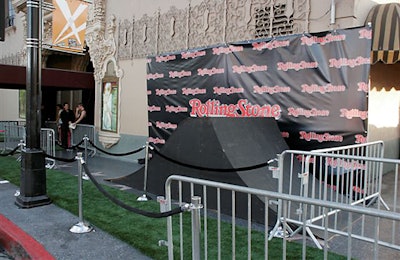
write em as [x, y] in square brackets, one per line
[116, 154]
[75, 147]
[10, 153]
[156, 150]
[128, 207]
[247, 168]
[68, 160]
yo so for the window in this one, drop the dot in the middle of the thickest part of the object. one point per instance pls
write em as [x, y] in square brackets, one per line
[273, 20]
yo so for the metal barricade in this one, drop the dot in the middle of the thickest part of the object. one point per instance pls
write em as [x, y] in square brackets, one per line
[350, 175]
[82, 131]
[13, 136]
[379, 238]
[15, 133]
[3, 125]
[48, 145]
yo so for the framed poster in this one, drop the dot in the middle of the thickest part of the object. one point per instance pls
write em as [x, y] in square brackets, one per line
[109, 105]
[22, 103]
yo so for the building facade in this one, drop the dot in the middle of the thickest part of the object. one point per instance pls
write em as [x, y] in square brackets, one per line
[120, 35]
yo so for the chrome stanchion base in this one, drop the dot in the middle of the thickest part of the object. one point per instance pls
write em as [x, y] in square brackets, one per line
[143, 198]
[81, 228]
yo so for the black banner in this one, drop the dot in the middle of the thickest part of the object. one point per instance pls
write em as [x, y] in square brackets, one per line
[315, 86]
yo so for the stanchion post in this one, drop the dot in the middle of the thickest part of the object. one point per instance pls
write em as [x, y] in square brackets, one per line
[196, 227]
[146, 162]
[81, 226]
[85, 140]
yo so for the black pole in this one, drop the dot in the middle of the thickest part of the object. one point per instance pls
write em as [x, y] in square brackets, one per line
[33, 171]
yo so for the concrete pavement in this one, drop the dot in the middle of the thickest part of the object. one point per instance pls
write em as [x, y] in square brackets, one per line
[50, 225]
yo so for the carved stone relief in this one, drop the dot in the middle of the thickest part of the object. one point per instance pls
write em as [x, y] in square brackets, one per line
[102, 48]
[145, 36]
[125, 39]
[101, 42]
[173, 30]
[210, 22]
[301, 15]
[239, 17]
[206, 24]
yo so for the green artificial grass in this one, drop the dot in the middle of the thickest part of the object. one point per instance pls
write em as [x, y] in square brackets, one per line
[143, 233]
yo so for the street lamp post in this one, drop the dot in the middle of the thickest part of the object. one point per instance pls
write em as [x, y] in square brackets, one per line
[33, 171]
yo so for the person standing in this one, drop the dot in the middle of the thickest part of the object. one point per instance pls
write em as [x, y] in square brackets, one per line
[80, 114]
[67, 117]
[59, 109]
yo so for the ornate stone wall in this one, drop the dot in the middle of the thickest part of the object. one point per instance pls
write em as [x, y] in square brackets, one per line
[208, 23]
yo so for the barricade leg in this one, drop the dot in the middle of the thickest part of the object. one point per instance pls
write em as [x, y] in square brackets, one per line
[144, 196]
[196, 227]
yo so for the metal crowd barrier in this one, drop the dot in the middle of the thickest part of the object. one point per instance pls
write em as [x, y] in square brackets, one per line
[48, 144]
[350, 175]
[15, 134]
[3, 130]
[81, 131]
[378, 237]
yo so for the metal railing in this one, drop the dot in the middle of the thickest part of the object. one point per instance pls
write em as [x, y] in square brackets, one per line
[48, 145]
[350, 175]
[14, 134]
[379, 237]
[3, 125]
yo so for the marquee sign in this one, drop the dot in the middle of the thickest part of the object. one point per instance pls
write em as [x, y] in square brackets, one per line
[315, 86]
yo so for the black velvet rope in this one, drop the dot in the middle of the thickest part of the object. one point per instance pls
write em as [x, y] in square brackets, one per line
[75, 147]
[11, 152]
[116, 154]
[247, 168]
[47, 155]
[127, 207]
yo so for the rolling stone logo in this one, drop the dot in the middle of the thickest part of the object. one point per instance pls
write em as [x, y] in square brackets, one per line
[163, 125]
[345, 164]
[227, 91]
[360, 139]
[363, 87]
[322, 40]
[326, 137]
[192, 55]
[173, 109]
[156, 140]
[259, 46]
[296, 112]
[353, 113]
[243, 108]
[352, 63]
[226, 50]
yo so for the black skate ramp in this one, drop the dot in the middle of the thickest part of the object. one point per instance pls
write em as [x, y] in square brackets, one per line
[215, 144]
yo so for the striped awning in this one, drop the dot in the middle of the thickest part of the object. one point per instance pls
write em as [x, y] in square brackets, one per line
[385, 22]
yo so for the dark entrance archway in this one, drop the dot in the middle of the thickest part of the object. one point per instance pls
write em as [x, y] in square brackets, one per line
[52, 81]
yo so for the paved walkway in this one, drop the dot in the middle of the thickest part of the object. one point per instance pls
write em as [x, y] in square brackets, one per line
[49, 225]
